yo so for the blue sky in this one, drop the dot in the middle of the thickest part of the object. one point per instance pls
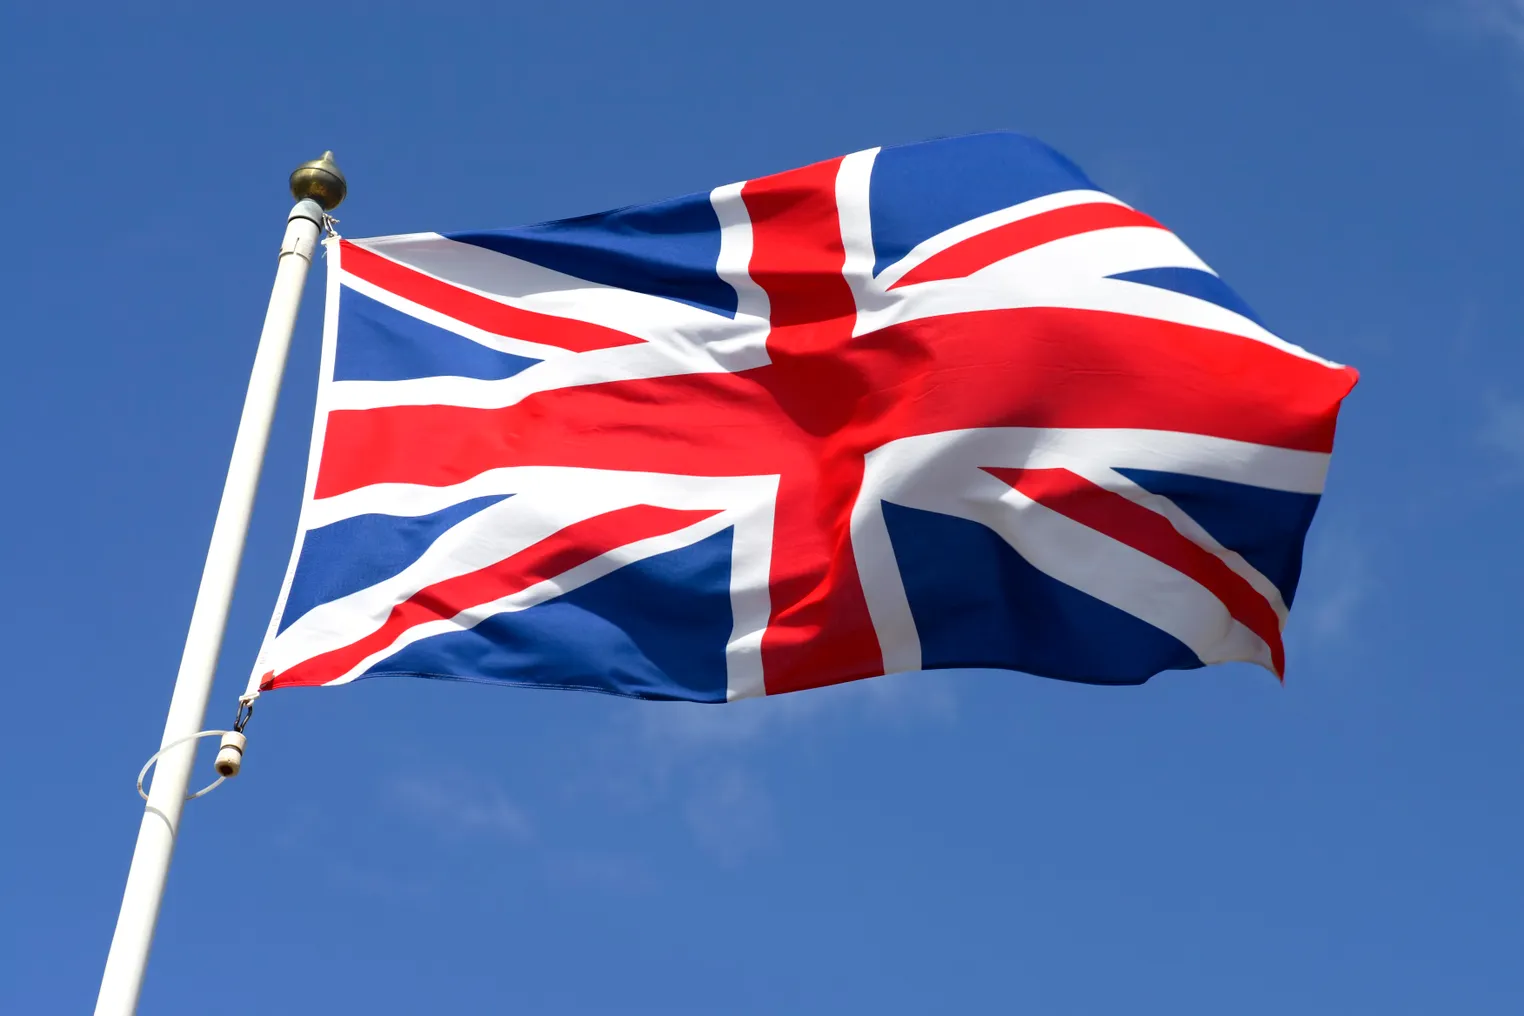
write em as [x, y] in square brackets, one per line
[964, 842]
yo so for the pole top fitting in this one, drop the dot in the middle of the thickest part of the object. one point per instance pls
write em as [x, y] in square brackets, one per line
[321, 180]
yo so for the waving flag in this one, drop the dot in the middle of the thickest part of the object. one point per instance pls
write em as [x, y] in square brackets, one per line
[940, 405]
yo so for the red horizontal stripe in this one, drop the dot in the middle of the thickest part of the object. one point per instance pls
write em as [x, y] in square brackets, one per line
[1034, 367]
[558, 553]
[1145, 530]
[477, 310]
[967, 257]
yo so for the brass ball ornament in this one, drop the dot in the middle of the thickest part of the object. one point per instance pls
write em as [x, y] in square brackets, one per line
[321, 180]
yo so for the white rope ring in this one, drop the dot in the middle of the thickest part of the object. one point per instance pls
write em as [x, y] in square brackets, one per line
[143, 774]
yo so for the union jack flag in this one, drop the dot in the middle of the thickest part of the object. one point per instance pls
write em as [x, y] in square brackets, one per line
[939, 405]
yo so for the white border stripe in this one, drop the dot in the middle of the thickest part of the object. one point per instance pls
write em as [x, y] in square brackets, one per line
[331, 259]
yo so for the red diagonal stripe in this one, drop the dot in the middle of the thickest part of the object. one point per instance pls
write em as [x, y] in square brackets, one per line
[477, 310]
[558, 553]
[1128, 522]
[981, 251]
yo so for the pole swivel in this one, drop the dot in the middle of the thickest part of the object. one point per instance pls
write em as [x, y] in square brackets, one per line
[230, 754]
[230, 751]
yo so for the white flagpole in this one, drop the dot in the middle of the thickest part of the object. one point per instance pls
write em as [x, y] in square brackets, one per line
[318, 187]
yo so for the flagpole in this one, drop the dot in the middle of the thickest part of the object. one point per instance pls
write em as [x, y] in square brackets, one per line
[318, 186]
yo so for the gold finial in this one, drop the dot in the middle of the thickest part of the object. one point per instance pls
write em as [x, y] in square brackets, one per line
[321, 180]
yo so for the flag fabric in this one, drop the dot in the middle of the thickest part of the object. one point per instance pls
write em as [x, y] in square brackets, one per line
[940, 405]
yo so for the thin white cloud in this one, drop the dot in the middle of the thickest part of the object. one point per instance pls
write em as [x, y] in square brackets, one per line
[599, 870]
[924, 697]
[680, 729]
[1502, 431]
[706, 760]
[307, 841]
[731, 816]
[1503, 19]
[458, 807]
[345, 874]
[1336, 583]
